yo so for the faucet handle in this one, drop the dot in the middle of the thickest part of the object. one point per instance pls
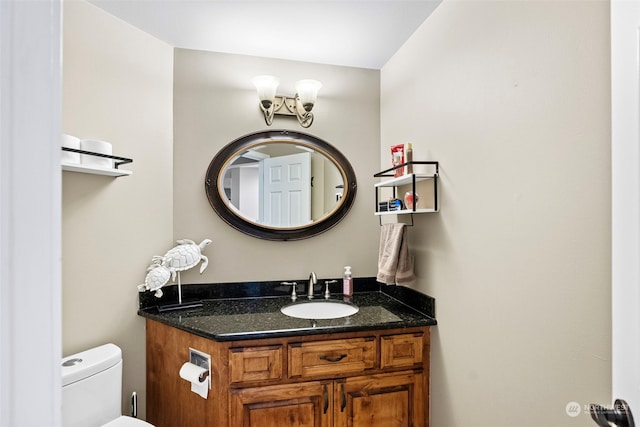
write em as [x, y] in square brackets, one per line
[327, 294]
[294, 285]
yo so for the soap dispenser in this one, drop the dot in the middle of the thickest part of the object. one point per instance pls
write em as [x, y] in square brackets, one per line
[347, 282]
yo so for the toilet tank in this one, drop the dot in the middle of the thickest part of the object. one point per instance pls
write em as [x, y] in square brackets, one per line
[92, 386]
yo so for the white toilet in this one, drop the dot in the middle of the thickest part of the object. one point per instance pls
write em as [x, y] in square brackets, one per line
[92, 389]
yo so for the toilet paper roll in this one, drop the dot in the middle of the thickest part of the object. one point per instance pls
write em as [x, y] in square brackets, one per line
[96, 146]
[191, 373]
[70, 141]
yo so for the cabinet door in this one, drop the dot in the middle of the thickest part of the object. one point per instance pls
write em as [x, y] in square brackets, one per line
[386, 400]
[295, 405]
[401, 351]
[255, 364]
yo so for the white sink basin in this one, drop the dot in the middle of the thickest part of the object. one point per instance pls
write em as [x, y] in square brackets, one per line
[319, 310]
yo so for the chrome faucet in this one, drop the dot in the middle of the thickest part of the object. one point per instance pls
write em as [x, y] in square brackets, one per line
[313, 279]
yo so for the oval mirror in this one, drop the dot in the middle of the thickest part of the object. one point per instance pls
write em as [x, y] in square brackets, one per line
[280, 185]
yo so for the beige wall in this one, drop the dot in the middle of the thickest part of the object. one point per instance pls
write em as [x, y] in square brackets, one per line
[513, 99]
[215, 103]
[117, 86]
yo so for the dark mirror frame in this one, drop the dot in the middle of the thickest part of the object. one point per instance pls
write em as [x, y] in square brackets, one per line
[229, 152]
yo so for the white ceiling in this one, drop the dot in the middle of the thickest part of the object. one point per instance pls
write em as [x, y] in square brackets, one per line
[357, 33]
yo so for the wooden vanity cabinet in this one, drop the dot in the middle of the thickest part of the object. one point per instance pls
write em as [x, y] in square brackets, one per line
[362, 379]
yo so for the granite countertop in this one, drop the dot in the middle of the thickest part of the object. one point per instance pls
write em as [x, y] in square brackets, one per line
[230, 312]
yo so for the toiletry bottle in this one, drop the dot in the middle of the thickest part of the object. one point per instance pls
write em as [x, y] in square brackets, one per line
[409, 158]
[347, 282]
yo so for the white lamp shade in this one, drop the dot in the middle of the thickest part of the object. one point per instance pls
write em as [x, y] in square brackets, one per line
[307, 90]
[266, 86]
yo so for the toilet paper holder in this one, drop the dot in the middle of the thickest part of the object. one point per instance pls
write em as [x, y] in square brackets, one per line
[202, 360]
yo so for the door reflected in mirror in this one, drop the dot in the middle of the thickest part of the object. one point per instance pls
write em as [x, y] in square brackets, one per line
[280, 185]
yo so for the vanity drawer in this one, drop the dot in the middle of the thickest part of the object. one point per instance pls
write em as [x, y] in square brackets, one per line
[311, 359]
[401, 350]
[255, 363]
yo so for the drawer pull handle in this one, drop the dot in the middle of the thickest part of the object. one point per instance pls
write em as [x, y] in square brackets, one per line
[326, 399]
[333, 359]
[344, 398]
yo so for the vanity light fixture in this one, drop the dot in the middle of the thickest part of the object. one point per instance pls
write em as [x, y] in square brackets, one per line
[300, 105]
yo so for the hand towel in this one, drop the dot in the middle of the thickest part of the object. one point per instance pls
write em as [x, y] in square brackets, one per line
[395, 262]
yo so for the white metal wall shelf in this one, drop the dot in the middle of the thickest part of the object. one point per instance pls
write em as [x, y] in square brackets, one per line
[408, 179]
[96, 170]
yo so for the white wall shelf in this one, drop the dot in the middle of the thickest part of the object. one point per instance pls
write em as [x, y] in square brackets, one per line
[78, 167]
[404, 180]
[406, 211]
[408, 179]
[96, 170]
